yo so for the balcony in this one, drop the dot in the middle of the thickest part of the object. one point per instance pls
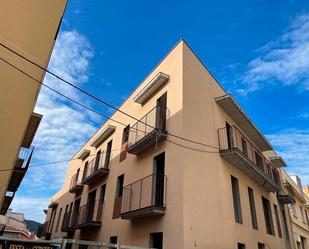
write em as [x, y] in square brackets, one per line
[32, 127]
[285, 197]
[53, 205]
[143, 198]
[149, 130]
[239, 151]
[6, 202]
[292, 191]
[97, 168]
[20, 168]
[75, 186]
[66, 227]
[90, 215]
[45, 231]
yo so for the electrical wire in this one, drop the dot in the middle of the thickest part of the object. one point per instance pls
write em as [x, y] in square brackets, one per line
[98, 99]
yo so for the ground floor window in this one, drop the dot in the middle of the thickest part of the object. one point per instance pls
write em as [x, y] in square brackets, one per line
[241, 246]
[156, 240]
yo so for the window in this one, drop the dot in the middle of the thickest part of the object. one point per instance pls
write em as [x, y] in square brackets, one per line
[108, 154]
[102, 194]
[244, 146]
[302, 214]
[241, 246]
[259, 161]
[286, 230]
[119, 186]
[113, 240]
[268, 216]
[118, 197]
[306, 214]
[124, 143]
[261, 245]
[156, 240]
[85, 170]
[236, 200]
[252, 208]
[278, 221]
[59, 216]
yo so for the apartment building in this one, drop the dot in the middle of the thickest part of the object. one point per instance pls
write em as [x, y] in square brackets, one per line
[29, 28]
[298, 210]
[145, 182]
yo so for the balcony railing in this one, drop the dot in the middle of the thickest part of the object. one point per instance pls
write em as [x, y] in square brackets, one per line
[45, 230]
[90, 215]
[75, 186]
[66, 222]
[20, 168]
[238, 150]
[97, 168]
[149, 130]
[145, 197]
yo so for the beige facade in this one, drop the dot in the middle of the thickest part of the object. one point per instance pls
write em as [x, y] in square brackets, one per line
[196, 196]
[28, 28]
[298, 210]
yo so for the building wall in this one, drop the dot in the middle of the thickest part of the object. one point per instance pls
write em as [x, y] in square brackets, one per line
[29, 28]
[199, 209]
[299, 211]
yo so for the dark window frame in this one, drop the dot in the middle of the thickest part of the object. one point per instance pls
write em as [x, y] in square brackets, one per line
[236, 200]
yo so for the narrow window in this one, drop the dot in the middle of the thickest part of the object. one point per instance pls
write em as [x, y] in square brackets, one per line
[85, 174]
[252, 209]
[161, 112]
[236, 200]
[278, 221]
[58, 221]
[306, 214]
[229, 135]
[124, 143]
[259, 161]
[241, 246]
[268, 216]
[156, 240]
[261, 245]
[244, 146]
[286, 229]
[158, 177]
[113, 240]
[302, 214]
[118, 197]
[119, 186]
[53, 221]
[108, 154]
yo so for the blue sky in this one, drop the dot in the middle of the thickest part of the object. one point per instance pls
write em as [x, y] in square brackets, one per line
[258, 50]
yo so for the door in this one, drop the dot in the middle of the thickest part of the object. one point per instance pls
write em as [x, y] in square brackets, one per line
[90, 206]
[161, 112]
[229, 134]
[158, 180]
[108, 154]
[97, 161]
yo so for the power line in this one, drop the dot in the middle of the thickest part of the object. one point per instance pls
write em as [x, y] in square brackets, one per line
[97, 98]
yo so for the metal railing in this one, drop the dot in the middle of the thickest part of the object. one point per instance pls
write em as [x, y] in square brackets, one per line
[74, 180]
[45, 228]
[66, 221]
[155, 119]
[149, 191]
[99, 162]
[237, 140]
[90, 212]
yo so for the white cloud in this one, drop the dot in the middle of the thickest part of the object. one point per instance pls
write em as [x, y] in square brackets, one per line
[293, 145]
[282, 61]
[64, 127]
[31, 207]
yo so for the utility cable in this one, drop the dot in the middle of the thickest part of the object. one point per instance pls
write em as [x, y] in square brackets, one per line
[98, 99]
